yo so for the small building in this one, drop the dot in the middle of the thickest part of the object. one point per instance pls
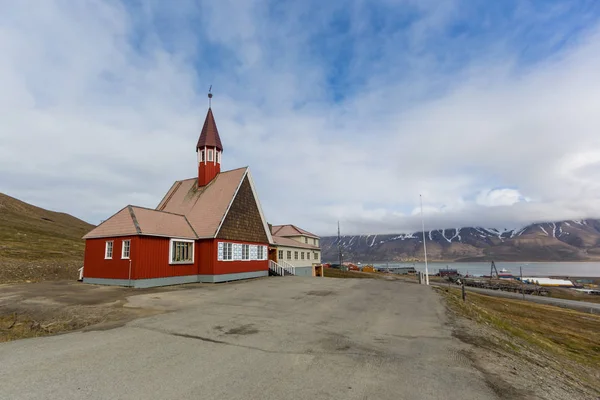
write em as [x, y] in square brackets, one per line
[209, 228]
[405, 270]
[447, 272]
[296, 247]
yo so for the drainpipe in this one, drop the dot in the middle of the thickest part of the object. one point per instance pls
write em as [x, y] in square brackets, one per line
[130, 272]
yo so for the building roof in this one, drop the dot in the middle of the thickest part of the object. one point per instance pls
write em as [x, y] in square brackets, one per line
[187, 211]
[205, 207]
[210, 134]
[283, 241]
[290, 230]
[133, 220]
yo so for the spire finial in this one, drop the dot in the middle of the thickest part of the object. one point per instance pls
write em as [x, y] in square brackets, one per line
[209, 96]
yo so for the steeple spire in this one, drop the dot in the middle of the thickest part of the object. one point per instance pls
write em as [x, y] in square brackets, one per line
[209, 148]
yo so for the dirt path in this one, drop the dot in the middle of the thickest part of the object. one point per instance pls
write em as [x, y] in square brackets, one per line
[46, 308]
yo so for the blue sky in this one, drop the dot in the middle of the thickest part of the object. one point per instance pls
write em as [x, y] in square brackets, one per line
[343, 110]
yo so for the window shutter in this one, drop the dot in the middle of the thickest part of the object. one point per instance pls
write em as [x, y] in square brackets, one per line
[220, 252]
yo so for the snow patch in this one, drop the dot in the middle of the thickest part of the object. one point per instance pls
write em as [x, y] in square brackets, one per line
[456, 235]
[430, 238]
[553, 229]
[443, 232]
[375, 237]
[542, 228]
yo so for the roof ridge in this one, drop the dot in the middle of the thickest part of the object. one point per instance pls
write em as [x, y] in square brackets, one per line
[191, 227]
[154, 209]
[134, 219]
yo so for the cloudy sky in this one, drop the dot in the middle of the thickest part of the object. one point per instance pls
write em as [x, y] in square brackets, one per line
[344, 110]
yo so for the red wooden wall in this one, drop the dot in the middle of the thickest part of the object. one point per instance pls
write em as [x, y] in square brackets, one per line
[149, 257]
[153, 260]
[232, 267]
[95, 266]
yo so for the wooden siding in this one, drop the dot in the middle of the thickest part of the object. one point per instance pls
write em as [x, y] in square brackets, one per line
[243, 220]
[150, 259]
[153, 260]
[232, 267]
[95, 266]
[207, 172]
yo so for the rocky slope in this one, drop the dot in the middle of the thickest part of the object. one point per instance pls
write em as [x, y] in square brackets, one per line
[577, 240]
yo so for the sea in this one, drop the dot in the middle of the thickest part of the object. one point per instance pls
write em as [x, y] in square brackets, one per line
[571, 269]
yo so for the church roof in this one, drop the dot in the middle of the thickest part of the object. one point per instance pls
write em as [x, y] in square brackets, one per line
[134, 220]
[187, 211]
[210, 134]
[205, 207]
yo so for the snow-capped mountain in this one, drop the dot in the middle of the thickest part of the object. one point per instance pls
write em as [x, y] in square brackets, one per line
[572, 240]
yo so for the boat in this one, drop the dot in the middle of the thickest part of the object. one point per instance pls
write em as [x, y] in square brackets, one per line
[505, 274]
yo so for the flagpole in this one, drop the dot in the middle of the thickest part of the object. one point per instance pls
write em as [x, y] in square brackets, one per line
[424, 244]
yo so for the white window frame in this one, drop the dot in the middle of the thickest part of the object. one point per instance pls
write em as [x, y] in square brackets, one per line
[112, 247]
[305, 240]
[302, 255]
[289, 254]
[295, 255]
[280, 254]
[260, 252]
[187, 262]
[210, 155]
[218, 157]
[227, 251]
[246, 252]
[202, 156]
[123, 257]
[316, 254]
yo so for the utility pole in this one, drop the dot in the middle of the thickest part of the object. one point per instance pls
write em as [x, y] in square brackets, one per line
[522, 289]
[339, 245]
[424, 244]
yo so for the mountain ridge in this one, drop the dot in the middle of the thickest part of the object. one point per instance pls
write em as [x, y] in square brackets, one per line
[569, 240]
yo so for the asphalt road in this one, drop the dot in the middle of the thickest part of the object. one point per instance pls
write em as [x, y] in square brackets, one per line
[276, 338]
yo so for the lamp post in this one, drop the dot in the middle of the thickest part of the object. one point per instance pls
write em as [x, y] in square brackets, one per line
[424, 244]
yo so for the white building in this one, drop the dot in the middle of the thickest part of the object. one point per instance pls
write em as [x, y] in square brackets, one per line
[296, 247]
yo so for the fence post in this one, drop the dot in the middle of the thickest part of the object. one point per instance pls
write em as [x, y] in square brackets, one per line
[464, 295]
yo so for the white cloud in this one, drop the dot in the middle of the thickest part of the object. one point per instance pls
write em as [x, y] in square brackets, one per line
[101, 110]
[499, 197]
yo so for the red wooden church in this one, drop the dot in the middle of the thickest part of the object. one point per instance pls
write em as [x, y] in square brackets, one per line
[206, 229]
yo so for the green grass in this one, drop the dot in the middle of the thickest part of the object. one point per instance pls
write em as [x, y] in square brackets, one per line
[561, 332]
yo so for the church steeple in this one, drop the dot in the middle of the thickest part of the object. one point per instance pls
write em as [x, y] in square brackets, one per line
[209, 149]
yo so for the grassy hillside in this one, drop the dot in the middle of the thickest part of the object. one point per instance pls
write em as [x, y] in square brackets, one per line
[37, 244]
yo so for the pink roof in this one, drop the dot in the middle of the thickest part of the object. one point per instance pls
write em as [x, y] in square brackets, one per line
[290, 230]
[204, 207]
[120, 224]
[160, 223]
[283, 241]
[133, 220]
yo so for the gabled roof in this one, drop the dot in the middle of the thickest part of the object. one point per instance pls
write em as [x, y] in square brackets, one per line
[290, 230]
[133, 220]
[186, 211]
[283, 241]
[205, 206]
[210, 134]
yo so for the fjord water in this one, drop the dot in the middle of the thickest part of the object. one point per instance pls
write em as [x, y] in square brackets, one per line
[587, 269]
